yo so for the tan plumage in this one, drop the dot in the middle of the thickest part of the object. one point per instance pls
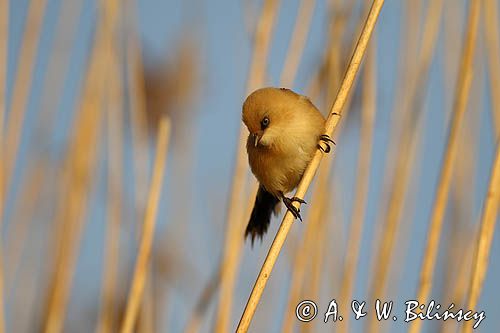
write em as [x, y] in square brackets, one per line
[279, 148]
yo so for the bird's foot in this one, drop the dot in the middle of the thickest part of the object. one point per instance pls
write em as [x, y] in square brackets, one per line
[289, 205]
[326, 140]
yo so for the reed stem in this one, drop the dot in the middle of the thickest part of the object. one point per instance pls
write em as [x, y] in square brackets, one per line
[485, 237]
[80, 166]
[441, 199]
[362, 179]
[145, 247]
[22, 85]
[4, 43]
[406, 153]
[492, 33]
[114, 106]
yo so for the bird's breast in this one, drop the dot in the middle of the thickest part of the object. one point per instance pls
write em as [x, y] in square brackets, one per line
[278, 171]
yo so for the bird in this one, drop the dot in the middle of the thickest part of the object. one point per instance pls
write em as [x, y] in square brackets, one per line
[285, 131]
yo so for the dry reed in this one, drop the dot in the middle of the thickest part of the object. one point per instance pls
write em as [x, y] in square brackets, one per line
[297, 43]
[79, 169]
[137, 112]
[396, 177]
[22, 86]
[114, 107]
[145, 247]
[235, 215]
[492, 34]
[4, 33]
[362, 179]
[331, 124]
[459, 243]
[485, 237]
[17, 233]
[441, 199]
[405, 159]
[138, 127]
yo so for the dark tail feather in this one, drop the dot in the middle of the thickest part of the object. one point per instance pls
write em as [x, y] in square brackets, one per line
[264, 206]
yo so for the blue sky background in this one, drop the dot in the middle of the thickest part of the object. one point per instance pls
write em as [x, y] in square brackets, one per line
[191, 220]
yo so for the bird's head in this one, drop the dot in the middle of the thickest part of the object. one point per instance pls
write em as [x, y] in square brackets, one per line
[266, 114]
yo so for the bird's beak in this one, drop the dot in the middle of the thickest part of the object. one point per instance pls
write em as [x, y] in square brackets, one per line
[256, 138]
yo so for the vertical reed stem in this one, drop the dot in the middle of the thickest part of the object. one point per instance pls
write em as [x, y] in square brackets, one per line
[235, 221]
[485, 237]
[406, 150]
[145, 247]
[492, 33]
[362, 179]
[114, 106]
[297, 43]
[4, 42]
[441, 199]
[79, 169]
[22, 85]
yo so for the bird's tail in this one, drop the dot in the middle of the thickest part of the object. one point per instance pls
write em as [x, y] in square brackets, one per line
[265, 205]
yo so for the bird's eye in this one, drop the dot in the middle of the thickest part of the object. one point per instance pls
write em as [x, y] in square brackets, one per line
[264, 123]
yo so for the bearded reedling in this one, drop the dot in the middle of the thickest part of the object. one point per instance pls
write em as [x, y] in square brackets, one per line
[285, 131]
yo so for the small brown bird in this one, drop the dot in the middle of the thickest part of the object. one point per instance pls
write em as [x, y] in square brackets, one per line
[285, 131]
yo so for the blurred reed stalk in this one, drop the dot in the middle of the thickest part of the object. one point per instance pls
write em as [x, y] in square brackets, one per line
[235, 216]
[441, 199]
[410, 124]
[58, 65]
[146, 317]
[18, 230]
[114, 106]
[138, 126]
[22, 85]
[331, 124]
[330, 78]
[485, 237]
[137, 109]
[369, 106]
[455, 292]
[462, 199]
[460, 276]
[143, 257]
[27, 200]
[4, 42]
[78, 174]
[492, 34]
[297, 43]
[397, 163]
[19, 284]
[9, 141]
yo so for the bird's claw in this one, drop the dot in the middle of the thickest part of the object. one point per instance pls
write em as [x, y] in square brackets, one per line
[294, 210]
[326, 140]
